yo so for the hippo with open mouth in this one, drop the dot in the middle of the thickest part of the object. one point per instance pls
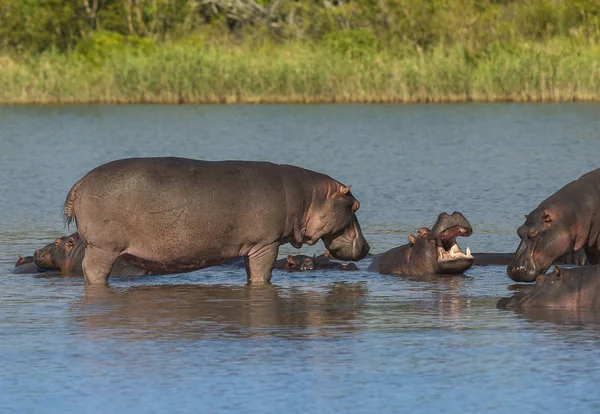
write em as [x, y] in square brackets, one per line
[173, 214]
[430, 252]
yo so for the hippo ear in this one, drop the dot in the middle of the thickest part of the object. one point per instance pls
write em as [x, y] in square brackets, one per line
[290, 260]
[557, 271]
[412, 239]
[546, 217]
[345, 189]
[327, 254]
[579, 236]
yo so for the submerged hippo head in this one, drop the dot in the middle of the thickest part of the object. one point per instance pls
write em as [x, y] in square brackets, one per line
[334, 221]
[299, 263]
[439, 246]
[545, 237]
[57, 255]
[561, 289]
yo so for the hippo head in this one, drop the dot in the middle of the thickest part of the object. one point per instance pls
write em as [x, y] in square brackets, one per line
[436, 251]
[560, 289]
[299, 263]
[54, 255]
[22, 261]
[334, 221]
[450, 259]
[545, 237]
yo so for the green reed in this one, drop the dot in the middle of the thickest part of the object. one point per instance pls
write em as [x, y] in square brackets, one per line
[559, 70]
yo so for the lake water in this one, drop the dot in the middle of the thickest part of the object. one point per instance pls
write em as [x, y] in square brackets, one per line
[326, 342]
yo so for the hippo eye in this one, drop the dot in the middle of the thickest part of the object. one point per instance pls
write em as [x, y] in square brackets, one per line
[532, 233]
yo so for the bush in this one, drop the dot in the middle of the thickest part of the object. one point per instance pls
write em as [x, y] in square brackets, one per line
[355, 43]
[99, 45]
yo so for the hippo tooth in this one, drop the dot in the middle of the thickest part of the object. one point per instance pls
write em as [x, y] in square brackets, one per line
[468, 252]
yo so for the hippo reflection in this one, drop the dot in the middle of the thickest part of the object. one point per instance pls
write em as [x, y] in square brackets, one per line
[198, 311]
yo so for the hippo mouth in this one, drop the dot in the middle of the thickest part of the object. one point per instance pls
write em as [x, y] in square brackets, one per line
[451, 259]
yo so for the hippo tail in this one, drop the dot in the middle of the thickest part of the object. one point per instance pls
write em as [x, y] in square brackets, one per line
[69, 207]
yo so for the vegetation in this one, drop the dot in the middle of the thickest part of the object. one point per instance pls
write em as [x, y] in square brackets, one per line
[178, 51]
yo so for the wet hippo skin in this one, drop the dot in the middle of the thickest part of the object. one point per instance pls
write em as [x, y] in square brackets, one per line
[567, 221]
[432, 251]
[178, 215]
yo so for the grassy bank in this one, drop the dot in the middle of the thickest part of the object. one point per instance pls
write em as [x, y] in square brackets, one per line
[558, 70]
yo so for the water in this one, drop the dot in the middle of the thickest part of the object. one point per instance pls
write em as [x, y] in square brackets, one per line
[314, 342]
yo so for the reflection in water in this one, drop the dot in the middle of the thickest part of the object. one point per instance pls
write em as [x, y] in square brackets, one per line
[199, 311]
[450, 298]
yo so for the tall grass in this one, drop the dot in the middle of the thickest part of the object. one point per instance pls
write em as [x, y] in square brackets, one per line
[559, 70]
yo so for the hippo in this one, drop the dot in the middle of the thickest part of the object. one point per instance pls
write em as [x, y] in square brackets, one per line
[573, 288]
[66, 256]
[300, 262]
[567, 221]
[430, 252]
[27, 265]
[503, 259]
[169, 214]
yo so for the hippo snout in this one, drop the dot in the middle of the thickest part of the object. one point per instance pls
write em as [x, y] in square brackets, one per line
[355, 251]
[520, 273]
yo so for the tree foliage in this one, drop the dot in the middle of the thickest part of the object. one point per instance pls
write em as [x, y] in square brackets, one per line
[349, 26]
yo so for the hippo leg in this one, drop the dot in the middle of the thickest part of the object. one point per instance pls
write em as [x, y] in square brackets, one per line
[259, 264]
[97, 265]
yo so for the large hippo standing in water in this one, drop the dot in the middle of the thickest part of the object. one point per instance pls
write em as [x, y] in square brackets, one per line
[178, 215]
[567, 221]
[66, 256]
[562, 289]
[430, 252]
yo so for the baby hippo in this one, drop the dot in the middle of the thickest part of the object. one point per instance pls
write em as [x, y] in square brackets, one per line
[27, 265]
[66, 256]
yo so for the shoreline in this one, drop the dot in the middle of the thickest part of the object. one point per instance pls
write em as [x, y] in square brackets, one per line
[298, 101]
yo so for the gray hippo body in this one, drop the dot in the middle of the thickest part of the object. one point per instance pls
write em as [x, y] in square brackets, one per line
[177, 215]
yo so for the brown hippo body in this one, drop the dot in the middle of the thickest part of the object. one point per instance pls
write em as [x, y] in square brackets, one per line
[569, 289]
[66, 256]
[178, 215]
[567, 221]
[430, 252]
